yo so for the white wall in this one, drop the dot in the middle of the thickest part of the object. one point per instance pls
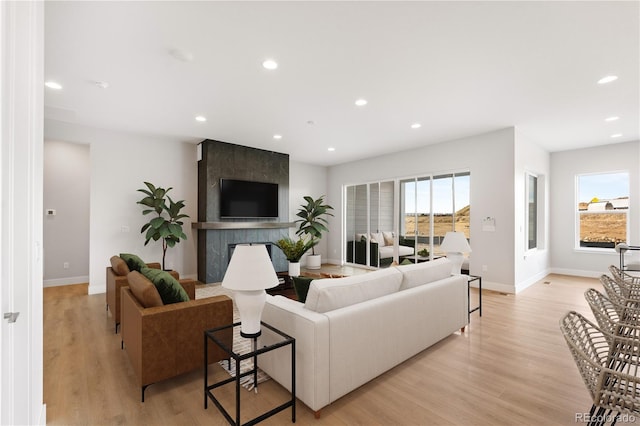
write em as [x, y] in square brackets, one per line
[490, 159]
[120, 163]
[307, 179]
[565, 166]
[530, 265]
[67, 171]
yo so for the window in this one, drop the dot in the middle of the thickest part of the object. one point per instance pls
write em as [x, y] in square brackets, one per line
[531, 211]
[431, 206]
[602, 209]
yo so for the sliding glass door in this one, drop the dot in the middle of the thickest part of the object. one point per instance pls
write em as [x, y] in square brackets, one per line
[369, 217]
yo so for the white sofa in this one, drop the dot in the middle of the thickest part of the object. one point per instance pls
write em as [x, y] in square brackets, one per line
[352, 329]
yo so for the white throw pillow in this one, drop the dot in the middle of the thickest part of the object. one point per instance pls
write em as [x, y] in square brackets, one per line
[377, 237]
[360, 236]
[388, 238]
[424, 273]
[335, 293]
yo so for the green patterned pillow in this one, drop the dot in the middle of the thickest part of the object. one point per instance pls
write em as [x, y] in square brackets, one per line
[169, 288]
[301, 286]
[133, 262]
[406, 262]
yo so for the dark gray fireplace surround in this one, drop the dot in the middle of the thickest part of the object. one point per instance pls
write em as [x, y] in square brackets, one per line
[217, 235]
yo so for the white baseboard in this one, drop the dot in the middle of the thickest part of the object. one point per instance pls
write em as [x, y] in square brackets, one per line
[499, 287]
[43, 415]
[65, 281]
[576, 272]
[94, 289]
[531, 281]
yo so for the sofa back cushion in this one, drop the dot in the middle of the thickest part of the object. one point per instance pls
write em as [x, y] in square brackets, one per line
[119, 266]
[169, 288]
[329, 294]
[424, 273]
[144, 290]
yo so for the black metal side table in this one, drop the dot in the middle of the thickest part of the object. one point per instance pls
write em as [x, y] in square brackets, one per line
[470, 279]
[240, 356]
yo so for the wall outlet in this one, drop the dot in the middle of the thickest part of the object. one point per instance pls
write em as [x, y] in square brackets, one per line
[485, 268]
[65, 265]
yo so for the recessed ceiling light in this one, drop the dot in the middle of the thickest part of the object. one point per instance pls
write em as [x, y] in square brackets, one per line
[181, 55]
[361, 102]
[277, 136]
[53, 85]
[270, 64]
[331, 149]
[614, 118]
[416, 125]
[201, 118]
[607, 79]
[617, 135]
[100, 84]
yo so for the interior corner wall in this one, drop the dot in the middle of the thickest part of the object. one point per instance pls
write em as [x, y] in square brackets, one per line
[530, 265]
[490, 159]
[120, 164]
[565, 165]
[307, 179]
[66, 233]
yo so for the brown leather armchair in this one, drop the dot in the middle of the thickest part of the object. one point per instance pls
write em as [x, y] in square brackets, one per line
[116, 279]
[165, 341]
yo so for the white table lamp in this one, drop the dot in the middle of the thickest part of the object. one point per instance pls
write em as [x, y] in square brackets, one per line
[249, 273]
[455, 244]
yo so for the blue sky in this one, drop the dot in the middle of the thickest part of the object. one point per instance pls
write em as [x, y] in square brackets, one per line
[442, 202]
[603, 186]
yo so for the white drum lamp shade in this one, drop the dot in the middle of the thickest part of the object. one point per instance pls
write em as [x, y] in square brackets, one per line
[455, 244]
[249, 273]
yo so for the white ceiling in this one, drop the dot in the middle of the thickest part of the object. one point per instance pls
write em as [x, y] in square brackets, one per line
[458, 68]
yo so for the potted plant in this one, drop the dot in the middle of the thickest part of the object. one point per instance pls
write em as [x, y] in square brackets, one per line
[312, 224]
[293, 251]
[167, 223]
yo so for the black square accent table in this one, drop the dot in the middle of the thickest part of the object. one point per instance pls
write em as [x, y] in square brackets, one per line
[238, 358]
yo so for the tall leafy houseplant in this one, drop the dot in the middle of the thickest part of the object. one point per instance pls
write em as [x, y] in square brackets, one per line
[167, 223]
[312, 224]
[293, 251]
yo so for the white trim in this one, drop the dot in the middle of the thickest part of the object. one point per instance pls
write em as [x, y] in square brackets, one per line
[531, 281]
[576, 272]
[83, 279]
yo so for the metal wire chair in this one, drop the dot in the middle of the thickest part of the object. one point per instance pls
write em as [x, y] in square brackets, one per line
[608, 366]
[612, 318]
[621, 276]
[621, 293]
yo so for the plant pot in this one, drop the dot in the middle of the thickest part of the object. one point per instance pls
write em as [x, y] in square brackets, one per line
[314, 261]
[294, 269]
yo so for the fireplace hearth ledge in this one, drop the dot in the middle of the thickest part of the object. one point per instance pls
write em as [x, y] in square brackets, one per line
[242, 225]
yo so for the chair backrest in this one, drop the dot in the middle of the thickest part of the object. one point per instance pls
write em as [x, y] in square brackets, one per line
[614, 319]
[589, 347]
[621, 292]
[621, 276]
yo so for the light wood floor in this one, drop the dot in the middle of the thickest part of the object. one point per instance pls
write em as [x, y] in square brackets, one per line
[510, 367]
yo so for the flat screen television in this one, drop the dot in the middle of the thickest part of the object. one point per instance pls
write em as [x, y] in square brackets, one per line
[246, 199]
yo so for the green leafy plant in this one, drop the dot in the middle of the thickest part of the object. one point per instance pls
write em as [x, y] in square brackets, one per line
[312, 222]
[293, 250]
[167, 223]
[424, 253]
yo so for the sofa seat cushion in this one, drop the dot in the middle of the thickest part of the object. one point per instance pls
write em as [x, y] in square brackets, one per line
[387, 251]
[169, 288]
[423, 273]
[330, 294]
[144, 290]
[119, 266]
[133, 262]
